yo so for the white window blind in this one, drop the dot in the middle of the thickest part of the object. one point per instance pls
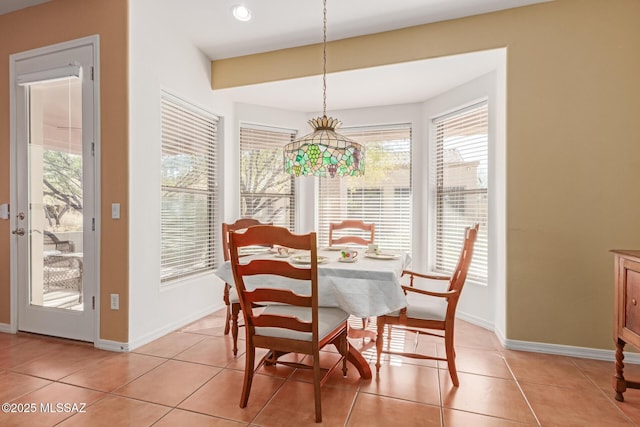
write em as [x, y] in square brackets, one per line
[267, 193]
[462, 187]
[382, 196]
[189, 188]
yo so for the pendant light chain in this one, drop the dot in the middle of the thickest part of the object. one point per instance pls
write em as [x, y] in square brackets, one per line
[324, 59]
[324, 152]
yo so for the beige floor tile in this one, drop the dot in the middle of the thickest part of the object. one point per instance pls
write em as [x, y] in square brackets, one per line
[214, 351]
[170, 345]
[372, 410]
[336, 379]
[25, 352]
[454, 418]
[294, 405]
[496, 397]
[63, 360]
[113, 372]
[408, 382]
[403, 341]
[13, 385]
[279, 370]
[190, 378]
[547, 369]
[220, 397]
[473, 360]
[561, 406]
[118, 411]
[170, 383]
[178, 417]
[469, 335]
[46, 400]
[631, 405]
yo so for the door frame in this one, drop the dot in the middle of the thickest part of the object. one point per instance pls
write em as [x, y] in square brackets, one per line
[94, 276]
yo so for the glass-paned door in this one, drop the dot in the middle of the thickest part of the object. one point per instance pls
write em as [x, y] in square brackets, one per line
[54, 219]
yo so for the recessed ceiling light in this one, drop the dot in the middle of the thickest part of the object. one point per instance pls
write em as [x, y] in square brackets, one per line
[241, 13]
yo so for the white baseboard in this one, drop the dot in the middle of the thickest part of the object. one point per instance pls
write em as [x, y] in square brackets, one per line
[164, 330]
[112, 345]
[7, 328]
[567, 350]
[558, 349]
[475, 320]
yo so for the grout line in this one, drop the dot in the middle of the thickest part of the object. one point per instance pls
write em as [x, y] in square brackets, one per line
[601, 391]
[522, 391]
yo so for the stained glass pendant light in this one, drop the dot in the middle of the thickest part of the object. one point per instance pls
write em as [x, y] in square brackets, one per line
[324, 152]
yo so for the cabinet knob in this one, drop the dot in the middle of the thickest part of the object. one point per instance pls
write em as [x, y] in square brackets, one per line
[634, 301]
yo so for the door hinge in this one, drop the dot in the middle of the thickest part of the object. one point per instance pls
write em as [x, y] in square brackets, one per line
[93, 303]
[93, 224]
[93, 148]
[91, 73]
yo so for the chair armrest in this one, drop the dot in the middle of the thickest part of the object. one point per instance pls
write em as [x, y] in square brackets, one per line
[446, 294]
[425, 276]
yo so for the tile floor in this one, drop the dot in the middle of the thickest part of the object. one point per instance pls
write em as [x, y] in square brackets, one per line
[190, 378]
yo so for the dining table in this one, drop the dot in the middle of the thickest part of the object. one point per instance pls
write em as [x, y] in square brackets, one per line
[367, 286]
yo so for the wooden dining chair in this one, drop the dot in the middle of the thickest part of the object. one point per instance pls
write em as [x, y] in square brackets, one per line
[286, 322]
[230, 296]
[427, 310]
[352, 225]
[361, 228]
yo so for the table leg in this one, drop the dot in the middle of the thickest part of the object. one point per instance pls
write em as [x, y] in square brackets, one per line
[619, 383]
[357, 360]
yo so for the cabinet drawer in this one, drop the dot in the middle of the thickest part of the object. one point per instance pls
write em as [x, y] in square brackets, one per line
[632, 298]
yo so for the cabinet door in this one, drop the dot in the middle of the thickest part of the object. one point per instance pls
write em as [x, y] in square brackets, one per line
[632, 298]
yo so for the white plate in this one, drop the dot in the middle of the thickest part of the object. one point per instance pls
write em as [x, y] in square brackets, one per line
[381, 256]
[333, 248]
[306, 259]
[282, 256]
[347, 259]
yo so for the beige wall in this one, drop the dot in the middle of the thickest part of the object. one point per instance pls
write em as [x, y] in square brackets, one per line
[573, 146]
[55, 22]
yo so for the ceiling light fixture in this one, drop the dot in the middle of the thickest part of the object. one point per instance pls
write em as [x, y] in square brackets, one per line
[324, 152]
[241, 13]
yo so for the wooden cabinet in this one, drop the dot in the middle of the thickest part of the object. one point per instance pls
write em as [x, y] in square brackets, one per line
[627, 313]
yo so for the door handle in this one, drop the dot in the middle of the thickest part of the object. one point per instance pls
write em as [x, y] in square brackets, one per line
[19, 231]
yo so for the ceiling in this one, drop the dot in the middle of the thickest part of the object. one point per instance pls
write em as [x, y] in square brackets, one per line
[279, 24]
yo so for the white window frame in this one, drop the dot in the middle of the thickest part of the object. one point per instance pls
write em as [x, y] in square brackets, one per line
[386, 234]
[199, 129]
[479, 269]
[277, 138]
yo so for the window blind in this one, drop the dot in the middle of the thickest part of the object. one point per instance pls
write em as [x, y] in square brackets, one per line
[462, 187]
[267, 193]
[382, 196]
[189, 188]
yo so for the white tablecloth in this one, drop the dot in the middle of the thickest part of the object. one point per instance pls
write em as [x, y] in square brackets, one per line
[365, 288]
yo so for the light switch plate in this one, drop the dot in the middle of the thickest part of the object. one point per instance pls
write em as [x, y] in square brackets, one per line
[115, 210]
[4, 211]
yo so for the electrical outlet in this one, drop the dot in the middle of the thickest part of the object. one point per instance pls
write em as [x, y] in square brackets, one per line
[115, 302]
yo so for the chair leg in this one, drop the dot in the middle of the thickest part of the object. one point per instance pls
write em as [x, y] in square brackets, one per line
[344, 343]
[316, 386]
[225, 298]
[250, 360]
[451, 357]
[235, 309]
[380, 341]
[227, 323]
